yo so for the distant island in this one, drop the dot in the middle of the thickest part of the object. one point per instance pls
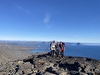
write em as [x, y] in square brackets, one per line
[78, 43]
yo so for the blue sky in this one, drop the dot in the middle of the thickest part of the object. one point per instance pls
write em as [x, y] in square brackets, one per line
[47, 20]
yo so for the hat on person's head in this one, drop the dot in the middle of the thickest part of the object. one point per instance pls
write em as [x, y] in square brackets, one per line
[53, 40]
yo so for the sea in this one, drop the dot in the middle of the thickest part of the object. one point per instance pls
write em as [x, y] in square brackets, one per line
[89, 50]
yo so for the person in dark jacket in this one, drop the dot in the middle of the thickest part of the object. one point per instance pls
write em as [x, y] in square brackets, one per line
[57, 49]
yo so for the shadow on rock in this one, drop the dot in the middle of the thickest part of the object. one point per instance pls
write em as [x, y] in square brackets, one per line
[43, 55]
[50, 69]
[70, 67]
[29, 59]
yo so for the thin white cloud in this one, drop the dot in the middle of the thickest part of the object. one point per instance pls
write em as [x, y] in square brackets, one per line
[28, 12]
[22, 9]
[46, 19]
[19, 7]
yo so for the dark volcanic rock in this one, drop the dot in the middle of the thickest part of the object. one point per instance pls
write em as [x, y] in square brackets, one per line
[44, 64]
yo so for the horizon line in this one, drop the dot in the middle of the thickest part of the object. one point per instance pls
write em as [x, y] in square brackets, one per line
[50, 41]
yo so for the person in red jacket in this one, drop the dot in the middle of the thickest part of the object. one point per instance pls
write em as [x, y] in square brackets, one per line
[62, 48]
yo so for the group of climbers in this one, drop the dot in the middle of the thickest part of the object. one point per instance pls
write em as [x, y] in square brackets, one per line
[57, 48]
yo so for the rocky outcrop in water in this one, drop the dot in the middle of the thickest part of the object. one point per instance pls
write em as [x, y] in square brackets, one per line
[44, 64]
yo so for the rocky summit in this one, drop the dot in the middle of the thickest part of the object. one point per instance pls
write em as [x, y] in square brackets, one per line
[44, 64]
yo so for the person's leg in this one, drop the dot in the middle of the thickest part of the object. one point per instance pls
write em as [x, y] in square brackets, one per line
[62, 53]
[57, 53]
[51, 52]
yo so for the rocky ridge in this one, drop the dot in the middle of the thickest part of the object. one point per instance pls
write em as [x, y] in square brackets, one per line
[44, 64]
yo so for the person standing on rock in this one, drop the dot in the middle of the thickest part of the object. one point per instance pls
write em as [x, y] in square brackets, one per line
[57, 49]
[53, 48]
[62, 48]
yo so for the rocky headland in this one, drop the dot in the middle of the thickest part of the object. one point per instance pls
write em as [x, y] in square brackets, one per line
[44, 64]
[10, 52]
[17, 60]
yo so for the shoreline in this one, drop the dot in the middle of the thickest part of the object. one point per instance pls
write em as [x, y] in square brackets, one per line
[10, 52]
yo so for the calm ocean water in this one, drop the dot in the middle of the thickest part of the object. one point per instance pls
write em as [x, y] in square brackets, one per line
[83, 51]
[72, 49]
